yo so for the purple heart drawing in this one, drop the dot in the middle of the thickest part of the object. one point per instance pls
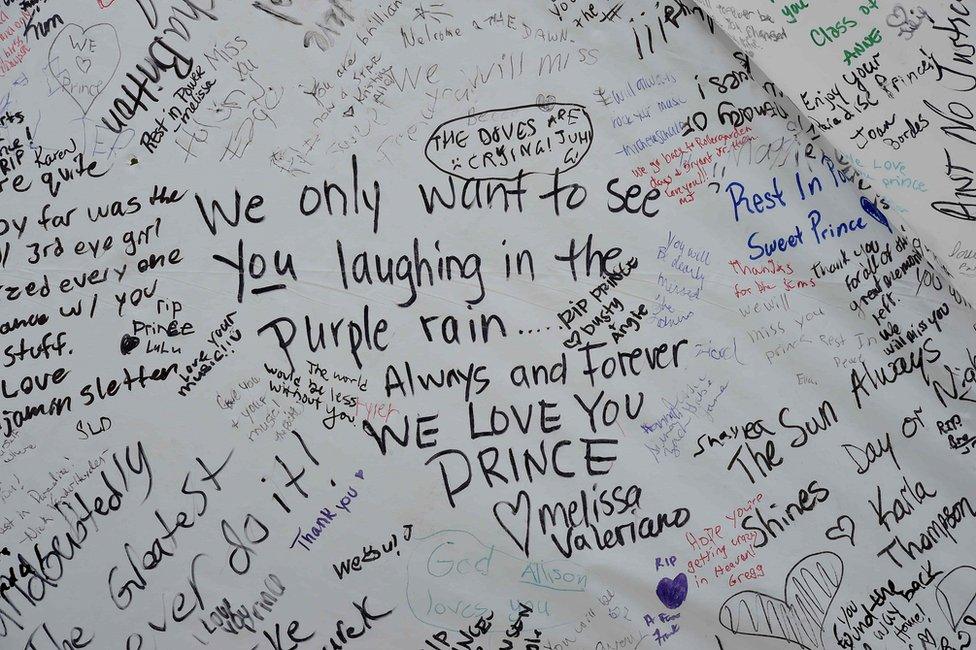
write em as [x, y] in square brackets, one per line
[96, 54]
[673, 592]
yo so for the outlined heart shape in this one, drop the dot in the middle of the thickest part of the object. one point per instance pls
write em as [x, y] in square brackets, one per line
[955, 594]
[810, 589]
[843, 529]
[514, 510]
[672, 593]
[96, 54]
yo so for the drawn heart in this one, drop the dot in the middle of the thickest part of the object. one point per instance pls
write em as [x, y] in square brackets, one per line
[128, 344]
[872, 211]
[843, 529]
[359, 474]
[672, 593]
[545, 102]
[523, 542]
[810, 588]
[956, 593]
[92, 73]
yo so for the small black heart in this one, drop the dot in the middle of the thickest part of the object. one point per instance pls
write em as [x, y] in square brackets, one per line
[523, 543]
[128, 344]
[840, 529]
